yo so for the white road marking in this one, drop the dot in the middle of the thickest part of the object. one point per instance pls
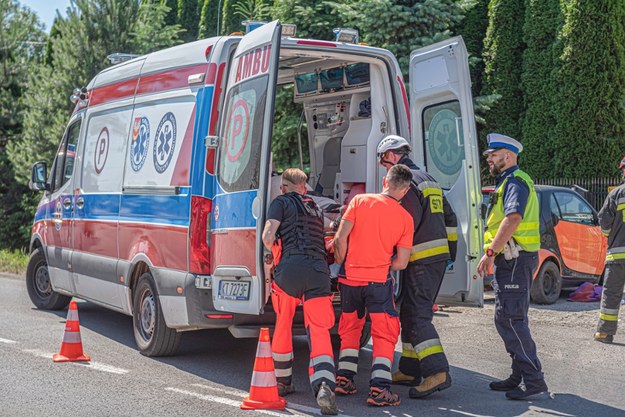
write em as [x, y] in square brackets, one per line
[7, 341]
[92, 365]
[291, 407]
[464, 413]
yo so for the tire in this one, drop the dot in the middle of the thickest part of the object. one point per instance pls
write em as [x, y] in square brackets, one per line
[39, 286]
[547, 286]
[152, 335]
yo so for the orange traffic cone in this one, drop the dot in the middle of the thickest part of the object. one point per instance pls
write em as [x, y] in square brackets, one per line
[71, 348]
[264, 387]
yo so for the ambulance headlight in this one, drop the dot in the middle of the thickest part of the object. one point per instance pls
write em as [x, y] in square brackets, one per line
[346, 35]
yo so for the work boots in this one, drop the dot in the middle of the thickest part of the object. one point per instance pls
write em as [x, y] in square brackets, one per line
[531, 389]
[604, 337]
[400, 378]
[285, 389]
[326, 400]
[508, 384]
[431, 384]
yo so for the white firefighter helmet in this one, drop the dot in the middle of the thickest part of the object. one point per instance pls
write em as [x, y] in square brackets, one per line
[392, 142]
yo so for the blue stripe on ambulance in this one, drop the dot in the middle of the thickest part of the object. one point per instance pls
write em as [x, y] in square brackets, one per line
[234, 210]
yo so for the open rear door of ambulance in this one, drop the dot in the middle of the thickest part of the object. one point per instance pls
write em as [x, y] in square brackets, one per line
[242, 173]
[445, 142]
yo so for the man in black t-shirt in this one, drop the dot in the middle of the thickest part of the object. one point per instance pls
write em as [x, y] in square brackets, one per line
[294, 234]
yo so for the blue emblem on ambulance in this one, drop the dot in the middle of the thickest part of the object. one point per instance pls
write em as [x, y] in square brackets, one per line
[164, 142]
[140, 142]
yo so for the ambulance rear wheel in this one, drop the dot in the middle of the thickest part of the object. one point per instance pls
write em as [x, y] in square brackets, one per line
[152, 335]
[39, 286]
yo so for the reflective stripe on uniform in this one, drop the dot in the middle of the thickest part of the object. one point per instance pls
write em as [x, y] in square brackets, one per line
[282, 373]
[321, 359]
[615, 253]
[452, 233]
[348, 352]
[430, 188]
[605, 232]
[427, 249]
[608, 317]
[263, 379]
[381, 360]
[282, 357]
[408, 351]
[381, 373]
[609, 310]
[620, 206]
[348, 366]
[427, 348]
[321, 374]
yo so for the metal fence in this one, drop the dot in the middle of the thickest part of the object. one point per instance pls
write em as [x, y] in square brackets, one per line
[594, 190]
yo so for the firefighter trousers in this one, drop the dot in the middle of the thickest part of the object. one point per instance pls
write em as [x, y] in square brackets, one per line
[318, 320]
[422, 351]
[613, 285]
[377, 299]
[512, 283]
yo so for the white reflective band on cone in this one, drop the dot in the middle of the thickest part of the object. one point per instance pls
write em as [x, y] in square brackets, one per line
[71, 337]
[264, 379]
[263, 350]
[72, 315]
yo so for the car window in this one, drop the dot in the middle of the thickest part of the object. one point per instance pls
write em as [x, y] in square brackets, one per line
[573, 208]
[553, 206]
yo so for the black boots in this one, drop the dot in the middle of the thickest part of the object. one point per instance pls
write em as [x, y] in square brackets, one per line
[531, 389]
[508, 384]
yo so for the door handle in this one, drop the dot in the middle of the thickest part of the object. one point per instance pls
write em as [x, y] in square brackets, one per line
[67, 203]
[80, 202]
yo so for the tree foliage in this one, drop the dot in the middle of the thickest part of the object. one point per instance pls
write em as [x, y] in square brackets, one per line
[503, 52]
[590, 105]
[209, 18]
[22, 47]
[543, 20]
[188, 18]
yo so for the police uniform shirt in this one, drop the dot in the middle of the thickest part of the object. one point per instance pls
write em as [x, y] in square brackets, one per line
[515, 193]
[282, 210]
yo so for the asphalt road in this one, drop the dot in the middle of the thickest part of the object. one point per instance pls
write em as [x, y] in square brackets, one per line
[212, 373]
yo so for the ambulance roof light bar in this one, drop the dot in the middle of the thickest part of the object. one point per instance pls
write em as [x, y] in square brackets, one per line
[346, 35]
[118, 58]
[250, 25]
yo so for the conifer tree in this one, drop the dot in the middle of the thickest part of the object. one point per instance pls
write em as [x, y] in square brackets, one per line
[543, 20]
[503, 51]
[590, 105]
[209, 19]
[189, 19]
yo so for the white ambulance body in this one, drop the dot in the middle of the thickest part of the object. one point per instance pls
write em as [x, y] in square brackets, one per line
[156, 200]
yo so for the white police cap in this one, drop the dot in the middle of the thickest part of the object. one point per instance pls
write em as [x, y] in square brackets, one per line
[499, 141]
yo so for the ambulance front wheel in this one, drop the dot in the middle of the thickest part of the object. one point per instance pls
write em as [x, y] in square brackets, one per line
[152, 335]
[39, 286]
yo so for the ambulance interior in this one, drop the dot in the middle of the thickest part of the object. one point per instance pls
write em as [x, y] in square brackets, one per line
[345, 106]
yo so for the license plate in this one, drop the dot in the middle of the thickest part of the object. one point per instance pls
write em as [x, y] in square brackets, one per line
[234, 290]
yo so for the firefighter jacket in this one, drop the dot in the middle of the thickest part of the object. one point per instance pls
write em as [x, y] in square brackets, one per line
[527, 233]
[612, 223]
[301, 231]
[435, 236]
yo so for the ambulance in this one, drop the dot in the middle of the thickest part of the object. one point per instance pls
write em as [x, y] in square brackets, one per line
[155, 202]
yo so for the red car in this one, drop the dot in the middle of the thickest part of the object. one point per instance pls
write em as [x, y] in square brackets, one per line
[572, 248]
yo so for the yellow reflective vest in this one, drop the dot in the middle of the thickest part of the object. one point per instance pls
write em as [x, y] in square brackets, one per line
[527, 234]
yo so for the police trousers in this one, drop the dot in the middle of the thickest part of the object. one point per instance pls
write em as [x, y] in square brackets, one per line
[376, 299]
[613, 285]
[512, 283]
[422, 351]
[303, 279]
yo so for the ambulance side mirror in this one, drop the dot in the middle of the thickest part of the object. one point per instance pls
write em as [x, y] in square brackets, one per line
[38, 176]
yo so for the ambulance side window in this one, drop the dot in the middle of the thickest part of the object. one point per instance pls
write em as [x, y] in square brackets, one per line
[63, 166]
[242, 130]
[444, 142]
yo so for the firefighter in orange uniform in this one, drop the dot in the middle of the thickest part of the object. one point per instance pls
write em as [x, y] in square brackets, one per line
[376, 225]
[294, 233]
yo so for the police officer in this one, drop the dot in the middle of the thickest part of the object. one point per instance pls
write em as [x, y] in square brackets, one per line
[434, 248]
[511, 243]
[611, 221]
[301, 275]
